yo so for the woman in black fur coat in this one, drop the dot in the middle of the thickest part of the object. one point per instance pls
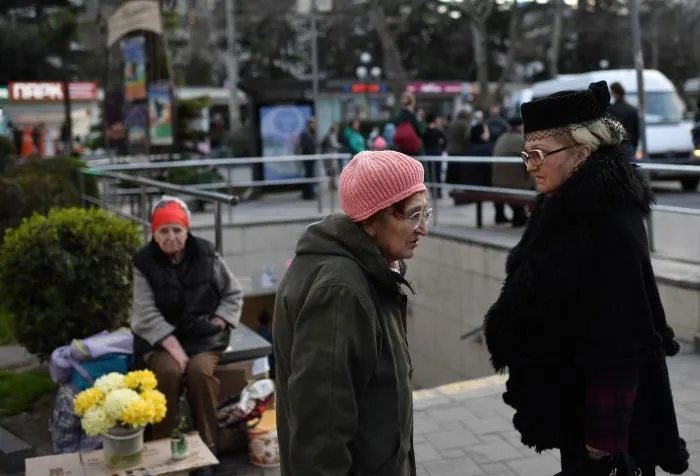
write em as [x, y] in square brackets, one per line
[579, 324]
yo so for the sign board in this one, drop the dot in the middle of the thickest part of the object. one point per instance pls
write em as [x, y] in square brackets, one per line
[4, 93]
[133, 16]
[160, 107]
[156, 460]
[322, 6]
[52, 91]
[440, 87]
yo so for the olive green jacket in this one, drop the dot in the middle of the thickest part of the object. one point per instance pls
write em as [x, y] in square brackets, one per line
[343, 369]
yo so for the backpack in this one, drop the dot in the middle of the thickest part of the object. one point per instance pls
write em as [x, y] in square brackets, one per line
[406, 139]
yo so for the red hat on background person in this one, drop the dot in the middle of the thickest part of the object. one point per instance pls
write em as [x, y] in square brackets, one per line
[170, 211]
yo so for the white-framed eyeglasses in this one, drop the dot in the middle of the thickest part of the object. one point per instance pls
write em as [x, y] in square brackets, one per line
[417, 218]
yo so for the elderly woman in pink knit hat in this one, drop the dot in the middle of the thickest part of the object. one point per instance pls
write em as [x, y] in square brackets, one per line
[343, 366]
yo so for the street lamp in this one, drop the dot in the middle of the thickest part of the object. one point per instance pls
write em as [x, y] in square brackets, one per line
[367, 71]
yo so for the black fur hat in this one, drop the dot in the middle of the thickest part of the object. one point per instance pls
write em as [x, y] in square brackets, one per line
[564, 108]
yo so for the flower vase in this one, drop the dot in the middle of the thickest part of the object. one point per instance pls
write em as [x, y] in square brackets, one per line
[179, 447]
[123, 447]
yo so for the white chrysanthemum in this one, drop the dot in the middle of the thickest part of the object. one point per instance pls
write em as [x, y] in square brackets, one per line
[96, 422]
[110, 382]
[118, 400]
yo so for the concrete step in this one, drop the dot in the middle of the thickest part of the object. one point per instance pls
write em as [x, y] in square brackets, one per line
[13, 452]
[14, 357]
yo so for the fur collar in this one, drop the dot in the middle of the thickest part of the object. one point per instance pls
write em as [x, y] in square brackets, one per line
[544, 269]
[604, 181]
[606, 178]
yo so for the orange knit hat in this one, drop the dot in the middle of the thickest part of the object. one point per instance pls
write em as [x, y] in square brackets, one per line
[169, 212]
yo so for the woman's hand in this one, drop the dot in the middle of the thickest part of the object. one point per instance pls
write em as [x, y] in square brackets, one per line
[596, 454]
[220, 322]
[173, 347]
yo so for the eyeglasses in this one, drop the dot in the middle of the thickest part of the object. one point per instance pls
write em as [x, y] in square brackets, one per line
[415, 219]
[536, 156]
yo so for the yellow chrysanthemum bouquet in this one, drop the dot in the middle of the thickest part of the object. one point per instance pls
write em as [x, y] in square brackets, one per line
[120, 401]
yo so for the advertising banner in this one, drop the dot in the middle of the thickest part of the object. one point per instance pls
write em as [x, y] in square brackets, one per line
[160, 106]
[280, 128]
[135, 121]
[134, 50]
[134, 16]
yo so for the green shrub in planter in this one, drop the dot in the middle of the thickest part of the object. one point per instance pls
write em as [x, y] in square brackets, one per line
[64, 167]
[38, 185]
[67, 275]
[25, 194]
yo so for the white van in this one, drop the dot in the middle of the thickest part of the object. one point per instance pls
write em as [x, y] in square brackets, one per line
[669, 138]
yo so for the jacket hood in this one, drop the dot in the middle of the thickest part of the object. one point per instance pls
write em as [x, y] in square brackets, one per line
[337, 235]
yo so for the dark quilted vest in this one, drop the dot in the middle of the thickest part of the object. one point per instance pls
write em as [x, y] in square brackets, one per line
[185, 294]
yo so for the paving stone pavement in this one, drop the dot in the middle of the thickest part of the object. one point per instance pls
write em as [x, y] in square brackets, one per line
[464, 429]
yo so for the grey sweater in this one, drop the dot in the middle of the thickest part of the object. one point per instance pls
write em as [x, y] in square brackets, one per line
[147, 321]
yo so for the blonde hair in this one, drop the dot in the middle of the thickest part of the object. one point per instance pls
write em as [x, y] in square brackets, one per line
[408, 99]
[598, 134]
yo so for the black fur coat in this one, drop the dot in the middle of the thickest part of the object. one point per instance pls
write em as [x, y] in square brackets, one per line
[580, 294]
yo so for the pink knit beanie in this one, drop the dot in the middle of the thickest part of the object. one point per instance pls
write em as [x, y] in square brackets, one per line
[375, 180]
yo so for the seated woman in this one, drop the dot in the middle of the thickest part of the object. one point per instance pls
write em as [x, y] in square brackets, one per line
[185, 302]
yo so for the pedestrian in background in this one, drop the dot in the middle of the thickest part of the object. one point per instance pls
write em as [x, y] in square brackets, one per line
[628, 116]
[434, 142]
[512, 144]
[344, 401]
[579, 324]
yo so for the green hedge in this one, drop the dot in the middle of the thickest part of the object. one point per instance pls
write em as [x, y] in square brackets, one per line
[39, 185]
[7, 152]
[67, 275]
[65, 167]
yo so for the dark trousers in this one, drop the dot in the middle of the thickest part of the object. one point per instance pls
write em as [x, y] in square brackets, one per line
[578, 463]
[309, 172]
[202, 392]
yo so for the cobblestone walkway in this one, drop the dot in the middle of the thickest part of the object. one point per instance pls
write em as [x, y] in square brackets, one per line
[465, 429]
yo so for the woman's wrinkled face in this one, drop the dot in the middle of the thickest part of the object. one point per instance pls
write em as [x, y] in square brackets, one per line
[552, 160]
[398, 229]
[171, 238]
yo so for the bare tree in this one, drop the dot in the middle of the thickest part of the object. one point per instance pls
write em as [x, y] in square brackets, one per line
[513, 40]
[395, 71]
[555, 46]
[478, 12]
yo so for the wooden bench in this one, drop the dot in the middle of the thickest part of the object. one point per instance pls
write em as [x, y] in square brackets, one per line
[464, 197]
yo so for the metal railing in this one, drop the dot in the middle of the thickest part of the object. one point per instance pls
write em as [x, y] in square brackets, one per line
[229, 164]
[680, 169]
[138, 165]
[144, 218]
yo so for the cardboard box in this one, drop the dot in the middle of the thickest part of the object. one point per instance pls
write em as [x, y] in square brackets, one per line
[156, 461]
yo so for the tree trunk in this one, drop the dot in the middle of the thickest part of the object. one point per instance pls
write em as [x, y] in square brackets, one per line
[655, 39]
[555, 46]
[513, 39]
[479, 35]
[67, 110]
[396, 74]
